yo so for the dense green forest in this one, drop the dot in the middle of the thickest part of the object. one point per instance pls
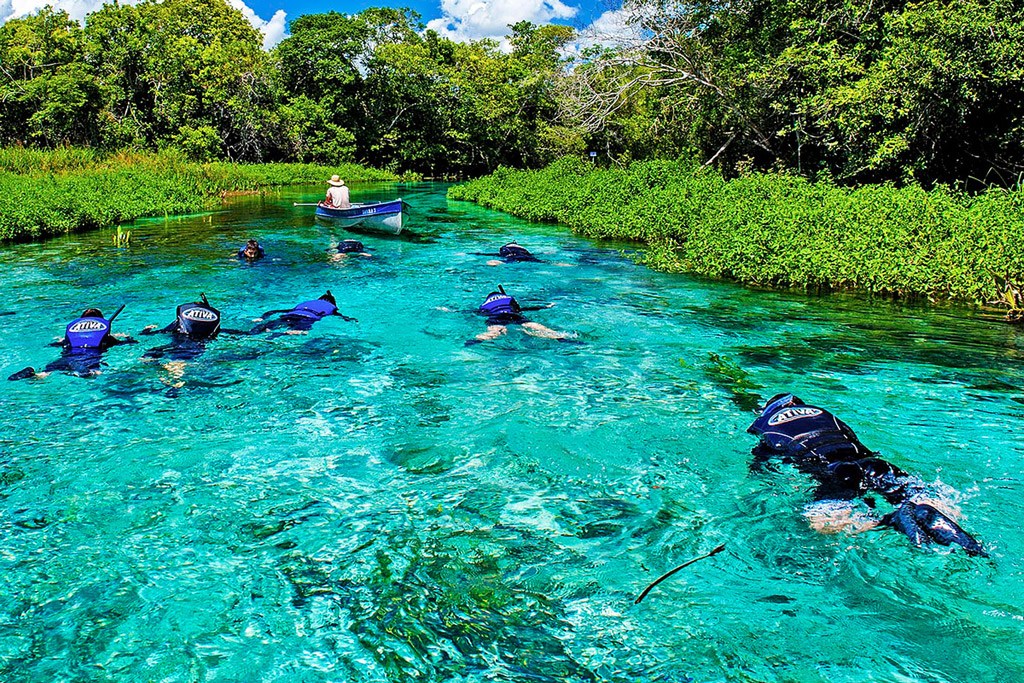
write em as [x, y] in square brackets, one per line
[853, 90]
[191, 74]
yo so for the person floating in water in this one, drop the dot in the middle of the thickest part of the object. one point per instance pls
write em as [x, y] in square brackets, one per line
[510, 253]
[195, 324]
[302, 317]
[337, 196]
[252, 251]
[346, 247]
[823, 446]
[85, 340]
[503, 310]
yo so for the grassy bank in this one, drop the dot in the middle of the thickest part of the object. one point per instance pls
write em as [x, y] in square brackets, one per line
[779, 230]
[68, 190]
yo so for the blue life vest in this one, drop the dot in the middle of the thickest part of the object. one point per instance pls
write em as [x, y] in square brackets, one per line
[198, 321]
[86, 333]
[317, 309]
[497, 303]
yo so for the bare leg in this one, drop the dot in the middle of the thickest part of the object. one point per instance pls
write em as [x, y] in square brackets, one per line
[175, 371]
[537, 330]
[493, 332]
[837, 516]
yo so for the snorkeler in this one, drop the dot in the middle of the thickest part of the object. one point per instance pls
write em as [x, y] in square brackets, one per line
[195, 324]
[510, 253]
[821, 445]
[302, 317]
[503, 310]
[85, 340]
[252, 251]
[346, 247]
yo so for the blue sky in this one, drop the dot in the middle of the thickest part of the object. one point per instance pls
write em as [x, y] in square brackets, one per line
[457, 19]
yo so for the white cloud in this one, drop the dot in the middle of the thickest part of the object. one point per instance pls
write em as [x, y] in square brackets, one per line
[76, 8]
[473, 19]
[273, 30]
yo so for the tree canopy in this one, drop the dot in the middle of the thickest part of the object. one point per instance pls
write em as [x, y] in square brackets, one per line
[857, 90]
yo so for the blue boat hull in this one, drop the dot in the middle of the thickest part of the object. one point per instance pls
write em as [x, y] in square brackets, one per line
[386, 216]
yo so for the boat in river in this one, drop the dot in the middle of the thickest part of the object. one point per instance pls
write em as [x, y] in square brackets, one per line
[384, 216]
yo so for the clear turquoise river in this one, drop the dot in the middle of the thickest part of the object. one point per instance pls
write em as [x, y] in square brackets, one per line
[375, 501]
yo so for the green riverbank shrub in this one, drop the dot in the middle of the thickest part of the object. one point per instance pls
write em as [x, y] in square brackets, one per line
[779, 230]
[68, 190]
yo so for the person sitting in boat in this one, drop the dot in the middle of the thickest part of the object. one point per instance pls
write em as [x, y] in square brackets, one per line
[345, 247]
[510, 253]
[85, 340]
[337, 194]
[252, 251]
[503, 310]
[302, 317]
[821, 445]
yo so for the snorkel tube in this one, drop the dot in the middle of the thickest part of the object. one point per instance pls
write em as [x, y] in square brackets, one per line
[89, 331]
[116, 313]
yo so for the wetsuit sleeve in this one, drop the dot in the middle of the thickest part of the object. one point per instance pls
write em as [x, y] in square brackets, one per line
[275, 312]
[762, 454]
[167, 330]
[536, 307]
[344, 317]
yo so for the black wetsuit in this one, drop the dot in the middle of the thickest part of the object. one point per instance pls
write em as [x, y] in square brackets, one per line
[513, 253]
[349, 247]
[195, 325]
[818, 443]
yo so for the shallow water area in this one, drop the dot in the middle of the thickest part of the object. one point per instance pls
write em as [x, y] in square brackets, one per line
[377, 501]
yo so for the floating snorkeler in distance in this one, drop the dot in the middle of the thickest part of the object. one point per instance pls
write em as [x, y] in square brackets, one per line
[503, 310]
[823, 446]
[252, 251]
[302, 317]
[85, 340]
[510, 253]
[345, 248]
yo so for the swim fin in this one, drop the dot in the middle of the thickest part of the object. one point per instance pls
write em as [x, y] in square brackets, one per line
[22, 374]
[924, 524]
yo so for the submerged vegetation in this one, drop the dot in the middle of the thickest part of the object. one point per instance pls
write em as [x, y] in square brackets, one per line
[66, 190]
[776, 229]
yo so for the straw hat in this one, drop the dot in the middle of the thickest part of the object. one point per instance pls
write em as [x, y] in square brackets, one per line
[336, 181]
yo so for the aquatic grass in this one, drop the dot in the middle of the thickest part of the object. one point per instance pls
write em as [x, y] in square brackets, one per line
[779, 230]
[70, 190]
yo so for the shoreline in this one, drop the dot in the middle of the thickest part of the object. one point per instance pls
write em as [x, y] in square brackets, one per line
[779, 231]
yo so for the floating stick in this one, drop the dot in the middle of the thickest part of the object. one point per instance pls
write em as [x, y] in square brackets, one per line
[682, 566]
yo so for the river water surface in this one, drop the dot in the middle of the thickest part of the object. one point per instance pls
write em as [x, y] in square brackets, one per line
[376, 501]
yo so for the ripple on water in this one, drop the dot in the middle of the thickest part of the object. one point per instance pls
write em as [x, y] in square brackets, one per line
[374, 501]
